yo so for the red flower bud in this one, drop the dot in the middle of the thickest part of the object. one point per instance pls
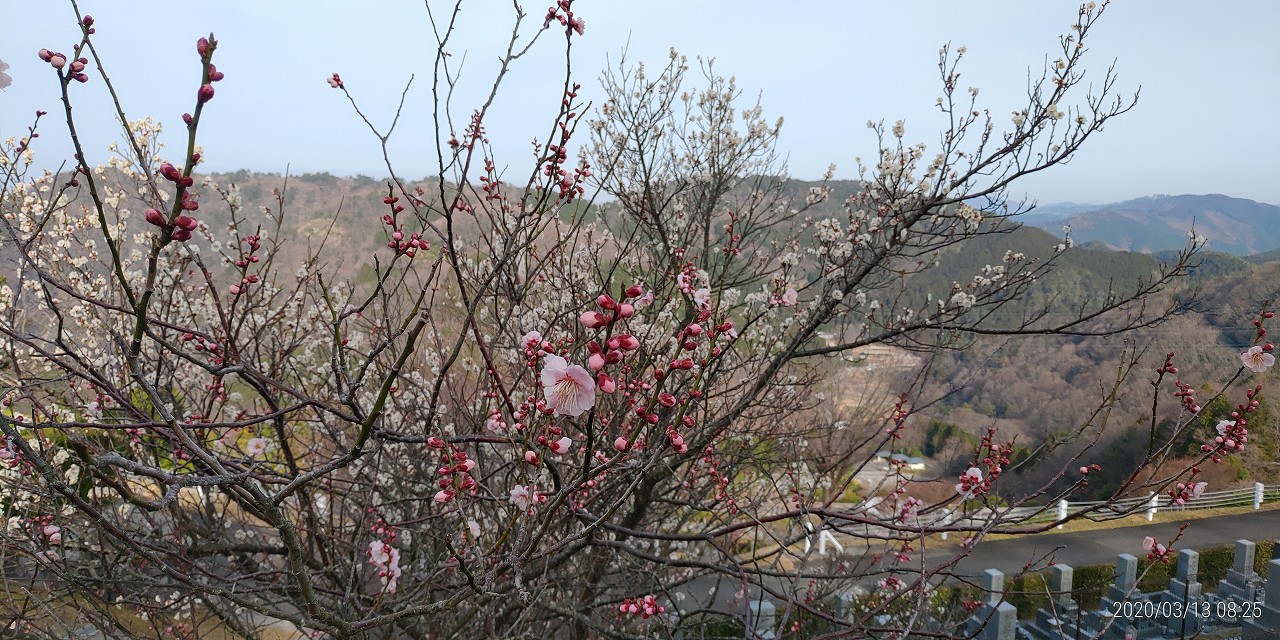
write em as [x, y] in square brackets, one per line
[181, 235]
[186, 117]
[215, 75]
[184, 222]
[635, 291]
[87, 21]
[155, 217]
[45, 55]
[205, 93]
[202, 47]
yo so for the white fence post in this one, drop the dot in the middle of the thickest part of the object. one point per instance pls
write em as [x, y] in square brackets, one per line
[1151, 506]
[946, 520]
[1062, 511]
[825, 538]
[1257, 495]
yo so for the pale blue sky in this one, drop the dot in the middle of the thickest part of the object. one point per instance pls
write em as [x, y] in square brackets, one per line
[1205, 124]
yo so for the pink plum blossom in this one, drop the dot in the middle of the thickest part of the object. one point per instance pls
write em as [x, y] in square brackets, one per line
[531, 341]
[1256, 359]
[522, 496]
[256, 447]
[1148, 543]
[789, 297]
[569, 388]
[386, 559]
[561, 446]
[1198, 488]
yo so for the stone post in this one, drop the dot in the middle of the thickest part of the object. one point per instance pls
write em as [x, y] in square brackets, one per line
[1186, 590]
[1267, 625]
[994, 620]
[1242, 582]
[763, 619]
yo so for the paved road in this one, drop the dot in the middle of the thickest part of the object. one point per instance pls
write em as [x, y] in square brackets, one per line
[1102, 546]
[1010, 555]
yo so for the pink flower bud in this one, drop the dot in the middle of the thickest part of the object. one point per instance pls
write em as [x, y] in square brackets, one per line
[45, 55]
[215, 75]
[620, 444]
[155, 217]
[635, 291]
[628, 342]
[234, 289]
[181, 235]
[531, 458]
[205, 93]
[626, 310]
[58, 60]
[77, 66]
[606, 302]
[595, 362]
[335, 81]
[186, 223]
[202, 47]
[186, 118]
[605, 383]
[444, 495]
[666, 400]
[87, 21]
[593, 319]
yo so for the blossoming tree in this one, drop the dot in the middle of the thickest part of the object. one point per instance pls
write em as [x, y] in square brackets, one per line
[547, 415]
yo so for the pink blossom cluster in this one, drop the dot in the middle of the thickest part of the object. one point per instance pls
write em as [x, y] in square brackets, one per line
[59, 61]
[1184, 492]
[1233, 432]
[1155, 550]
[254, 243]
[561, 13]
[386, 561]
[404, 246]
[525, 497]
[205, 47]
[995, 456]
[455, 470]
[645, 607]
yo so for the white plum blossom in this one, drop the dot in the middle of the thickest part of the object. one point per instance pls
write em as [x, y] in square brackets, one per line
[1223, 426]
[5, 80]
[1257, 359]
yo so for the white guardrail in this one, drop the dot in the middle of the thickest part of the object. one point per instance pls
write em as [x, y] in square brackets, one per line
[1151, 504]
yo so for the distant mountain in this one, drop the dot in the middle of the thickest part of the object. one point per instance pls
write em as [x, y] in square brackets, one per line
[1161, 223]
